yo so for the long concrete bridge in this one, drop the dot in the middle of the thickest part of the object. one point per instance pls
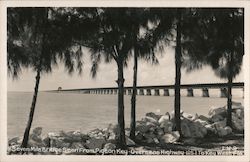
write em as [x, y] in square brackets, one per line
[155, 90]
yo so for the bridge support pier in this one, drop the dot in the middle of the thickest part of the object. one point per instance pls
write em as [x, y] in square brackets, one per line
[130, 92]
[166, 92]
[157, 92]
[223, 92]
[148, 92]
[141, 92]
[205, 92]
[190, 92]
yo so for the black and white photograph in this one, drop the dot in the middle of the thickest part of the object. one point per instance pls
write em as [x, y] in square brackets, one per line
[125, 81]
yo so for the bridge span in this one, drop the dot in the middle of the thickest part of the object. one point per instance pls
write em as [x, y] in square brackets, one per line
[156, 89]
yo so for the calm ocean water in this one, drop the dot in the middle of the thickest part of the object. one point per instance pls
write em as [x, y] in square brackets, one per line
[74, 111]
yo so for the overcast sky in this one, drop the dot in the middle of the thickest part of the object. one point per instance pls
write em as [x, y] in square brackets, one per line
[162, 74]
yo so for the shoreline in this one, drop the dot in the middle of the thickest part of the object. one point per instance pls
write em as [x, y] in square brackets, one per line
[201, 135]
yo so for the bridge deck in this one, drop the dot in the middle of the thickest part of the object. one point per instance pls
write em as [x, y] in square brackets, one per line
[183, 86]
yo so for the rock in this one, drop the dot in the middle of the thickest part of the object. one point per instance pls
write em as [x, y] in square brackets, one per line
[159, 131]
[204, 118]
[37, 131]
[150, 119]
[210, 129]
[156, 141]
[164, 118]
[111, 137]
[192, 129]
[220, 124]
[185, 128]
[172, 113]
[58, 143]
[153, 115]
[142, 128]
[239, 113]
[46, 141]
[190, 141]
[113, 128]
[221, 132]
[52, 135]
[94, 143]
[109, 146]
[35, 139]
[216, 118]
[237, 105]
[189, 116]
[149, 140]
[76, 145]
[217, 111]
[237, 123]
[228, 129]
[138, 136]
[170, 137]
[72, 136]
[202, 122]
[167, 126]
[13, 141]
[129, 142]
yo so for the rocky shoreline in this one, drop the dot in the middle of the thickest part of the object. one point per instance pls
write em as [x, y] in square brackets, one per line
[153, 133]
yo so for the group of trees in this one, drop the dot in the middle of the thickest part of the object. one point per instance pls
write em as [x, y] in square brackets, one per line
[40, 37]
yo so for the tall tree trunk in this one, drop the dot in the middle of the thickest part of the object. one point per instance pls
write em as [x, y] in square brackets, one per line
[121, 123]
[32, 110]
[178, 73]
[229, 93]
[133, 98]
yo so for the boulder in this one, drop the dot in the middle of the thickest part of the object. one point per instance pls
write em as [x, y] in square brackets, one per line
[52, 135]
[35, 139]
[160, 131]
[237, 123]
[163, 119]
[172, 114]
[228, 129]
[111, 137]
[153, 115]
[150, 119]
[142, 128]
[189, 116]
[204, 118]
[129, 142]
[170, 137]
[221, 132]
[139, 136]
[13, 141]
[217, 110]
[185, 128]
[58, 143]
[109, 146]
[46, 141]
[72, 136]
[192, 129]
[167, 126]
[216, 118]
[237, 105]
[220, 124]
[94, 143]
[210, 129]
[76, 145]
[201, 122]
